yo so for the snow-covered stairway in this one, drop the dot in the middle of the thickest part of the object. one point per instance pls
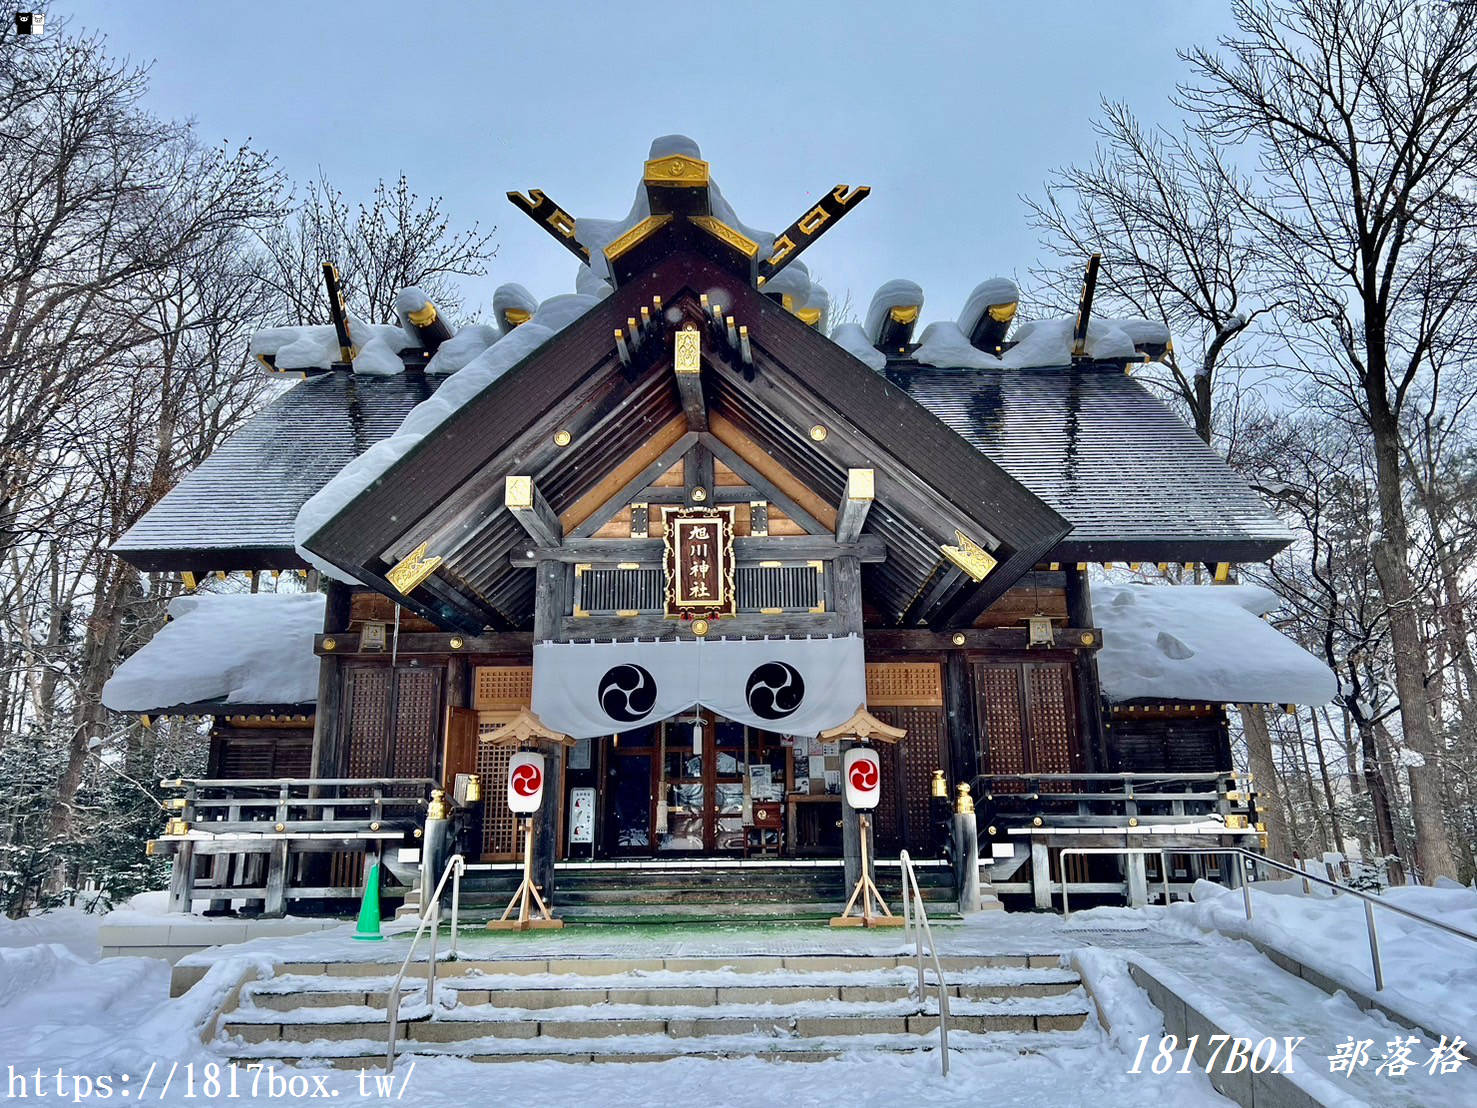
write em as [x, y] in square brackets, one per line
[611, 1009]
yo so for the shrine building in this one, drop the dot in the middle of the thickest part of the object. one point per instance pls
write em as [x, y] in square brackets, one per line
[692, 542]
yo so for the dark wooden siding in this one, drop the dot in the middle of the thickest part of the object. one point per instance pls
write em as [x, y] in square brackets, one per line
[237, 752]
[391, 719]
[1138, 744]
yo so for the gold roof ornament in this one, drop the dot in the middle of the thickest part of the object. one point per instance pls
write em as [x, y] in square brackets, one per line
[865, 726]
[676, 171]
[724, 233]
[637, 234]
[969, 556]
[905, 313]
[524, 728]
[412, 570]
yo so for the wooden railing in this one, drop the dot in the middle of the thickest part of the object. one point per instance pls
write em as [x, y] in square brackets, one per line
[1107, 799]
[258, 833]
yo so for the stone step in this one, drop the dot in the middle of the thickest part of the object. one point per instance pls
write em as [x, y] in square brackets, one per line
[601, 965]
[1066, 1013]
[369, 1054]
[342, 992]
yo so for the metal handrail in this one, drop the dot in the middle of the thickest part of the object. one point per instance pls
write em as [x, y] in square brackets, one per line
[455, 865]
[918, 924]
[1250, 859]
[1084, 850]
[1369, 904]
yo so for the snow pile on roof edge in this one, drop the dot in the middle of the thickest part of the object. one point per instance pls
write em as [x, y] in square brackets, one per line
[1201, 642]
[479, 374]
[232, 648]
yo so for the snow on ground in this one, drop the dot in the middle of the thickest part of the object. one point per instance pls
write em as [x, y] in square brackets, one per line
[70, 928]
[267, 658]
[113, 1018]
[1202, 642]
[1429, 975]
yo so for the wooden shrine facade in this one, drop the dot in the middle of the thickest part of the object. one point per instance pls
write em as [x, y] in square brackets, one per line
[690, 462]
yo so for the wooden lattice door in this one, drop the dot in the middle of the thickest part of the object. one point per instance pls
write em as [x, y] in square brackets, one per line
[391, 720]
[497, 694]
[1027, 718]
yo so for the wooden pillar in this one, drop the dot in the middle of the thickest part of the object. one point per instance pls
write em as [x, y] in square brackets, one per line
[846, 592]
[1084, 665]
[182, 877]
[1041, 874]
[959, 721]
[326, 755]
[1137, 878]
[276, 902]
[550, 604]
[851, 844]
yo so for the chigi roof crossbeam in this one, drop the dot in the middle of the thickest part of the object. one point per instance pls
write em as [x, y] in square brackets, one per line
[680, 210]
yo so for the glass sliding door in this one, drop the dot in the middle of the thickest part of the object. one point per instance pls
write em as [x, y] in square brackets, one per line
[683, 786]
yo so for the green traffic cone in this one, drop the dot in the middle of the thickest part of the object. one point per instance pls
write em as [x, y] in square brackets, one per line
[369, 907]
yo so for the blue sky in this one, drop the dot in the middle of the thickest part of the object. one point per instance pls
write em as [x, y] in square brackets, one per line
[950, 111]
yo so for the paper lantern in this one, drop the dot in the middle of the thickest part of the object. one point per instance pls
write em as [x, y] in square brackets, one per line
[525, 783]
[862, 774]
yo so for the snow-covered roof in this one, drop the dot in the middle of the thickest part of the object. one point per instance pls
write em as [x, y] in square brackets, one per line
[1201, 642]
[224, 649]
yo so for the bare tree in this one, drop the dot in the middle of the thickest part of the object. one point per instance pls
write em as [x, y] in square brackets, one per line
[396, 241]
[1363, 117]
[1167, 216]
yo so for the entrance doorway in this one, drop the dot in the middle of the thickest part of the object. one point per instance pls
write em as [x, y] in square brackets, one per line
[678, 787]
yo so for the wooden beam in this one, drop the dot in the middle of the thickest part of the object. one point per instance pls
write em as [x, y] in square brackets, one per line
[779, 487]
[856, 502]
[697, 475]
[798, 548]
[532, 511]
[687, 368]
[515, 643]
[978, 638]
[654, 625]
[621, 488]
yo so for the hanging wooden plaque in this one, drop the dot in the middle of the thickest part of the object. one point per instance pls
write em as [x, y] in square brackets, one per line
[699, 561]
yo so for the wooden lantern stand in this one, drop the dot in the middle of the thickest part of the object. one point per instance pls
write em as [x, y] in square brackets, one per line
[521, 732]
[866, 889]
[863, 726]
[525, 896]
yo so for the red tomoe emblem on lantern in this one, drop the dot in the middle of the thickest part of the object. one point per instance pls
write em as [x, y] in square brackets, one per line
[864, 775]
[525, 782]
[526, 779]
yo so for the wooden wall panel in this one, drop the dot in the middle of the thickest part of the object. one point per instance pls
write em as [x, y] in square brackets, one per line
[417, 725]
[1052, 707]
[909, 777]
[366, 707]
[1027, 713]
[1001, 716]
[499, 826]
[904, 683]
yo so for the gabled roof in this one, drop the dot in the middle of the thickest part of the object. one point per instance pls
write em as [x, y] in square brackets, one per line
[446, 490]
[236, 509]
[1136, 483]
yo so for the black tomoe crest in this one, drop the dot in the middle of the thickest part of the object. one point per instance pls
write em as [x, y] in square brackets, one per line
[774, 690]
[627, 693]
